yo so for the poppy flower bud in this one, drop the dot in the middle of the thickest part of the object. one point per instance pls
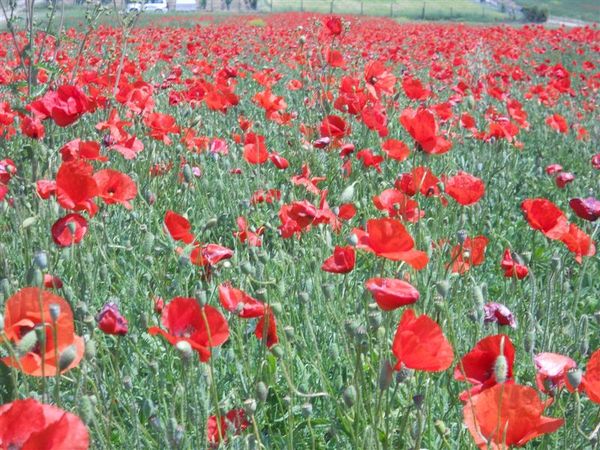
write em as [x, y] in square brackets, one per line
[328, 291]
[386, 370]
[347, 194]
[276, 307]
[526, 257]
[262, 391]
[478, 297]
[86, 409]
[441, 428]
[250, 406]
[461, 236]
[211, 223]
[185, 350]
[304, 297]
[149, 197]
[90, 349]
[290, 332]
[201, 297]
[574, 377]
[352, 240]
[530, 340]
[349, 396]
[501, 369]
[555, 263]
[67, 357]
[188, 176]
[5, 286]
[34, 277]
[375, 319]
[277, 351]
[307, 410]
[404, 374]
[248, 268]
[418, 400]
[40, 259]
[54, 311]
[27, 343]
[443, 288]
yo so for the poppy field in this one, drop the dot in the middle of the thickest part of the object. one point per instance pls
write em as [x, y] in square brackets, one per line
[300, 231]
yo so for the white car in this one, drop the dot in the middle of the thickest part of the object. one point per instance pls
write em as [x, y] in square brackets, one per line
[149, 5]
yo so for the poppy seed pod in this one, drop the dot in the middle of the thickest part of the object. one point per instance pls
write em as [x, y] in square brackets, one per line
[349, 396]
[211, 223]
[478, 297]
[328, 291]
[461, 236]
[501, 369]
[441, 428]
[277, 351]
[290, 332]
[250, 406]
[247, 268]
[67, 357]
[556, 263]
[307, 410]
[27, 343]
[386, 370]
[574, 376]
[54, 311]
[262, 391]
[90, 349]
[185, 350]
[40, 260]
[34, 277]
[443, 288]
[188, 176]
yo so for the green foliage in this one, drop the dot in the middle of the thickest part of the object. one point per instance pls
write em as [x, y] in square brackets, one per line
[535, 14]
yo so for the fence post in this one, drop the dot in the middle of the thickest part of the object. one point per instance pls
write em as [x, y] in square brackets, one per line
[331, 7]
[302, 5]
[392, 8]
[362, 7]
[423, 12]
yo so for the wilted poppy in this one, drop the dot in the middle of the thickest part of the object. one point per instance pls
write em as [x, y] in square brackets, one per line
[419, 344]
[389, 239]
[551, 370]
[342, 260]
[564, 178]
[586, 208]
[232, 423]
[511, 268]
[498, 313]
[185, 320]
[110, 320]
[390, 293]
[507, 415]
[478, 367]
[29, 425]
[69, 230]
[32, 319]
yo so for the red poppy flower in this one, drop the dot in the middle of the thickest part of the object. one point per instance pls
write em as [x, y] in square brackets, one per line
[115, 187]
[334, 127]
[110, 320]
[389, 239]
[557, 123]
[65, 105]
[596, 161]
[511, 268]
[586, 208]
[578, 242]
[551, 370]
[267, 324]
[296, 217]
[45, 188]
[591, 379]
[28, 310]
[309, 182]
[279, 161]
[419, 344]
[78, 149]
[342, 260]
[507, 415]
[76, 187]
[255, 150]
[161, 125]
[498, 313]
[32, 127]
[395, 149]
[390, 293]
[413, 88]
[423, 128]
[346, 211]
[28, 425]
[545, 216]
[477, 366]
[179, 227]
[471, 253]
[420, 179]
[8, 169]
[69, 230]
[232, 423]
[334, 25]
[465, 188]
[564, 178]
[238, 302]
[553, 169]
[52, 282]
[379, 79]
[185, 320]
[246, 235]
